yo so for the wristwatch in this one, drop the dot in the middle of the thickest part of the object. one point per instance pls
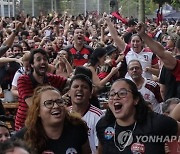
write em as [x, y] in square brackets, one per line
[15, 31]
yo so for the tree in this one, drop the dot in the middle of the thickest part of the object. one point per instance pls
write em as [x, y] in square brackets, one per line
[150, 7]
[141, 15]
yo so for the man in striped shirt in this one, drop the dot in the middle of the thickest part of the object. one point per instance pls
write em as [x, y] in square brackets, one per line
[80, 93]
[27, 83]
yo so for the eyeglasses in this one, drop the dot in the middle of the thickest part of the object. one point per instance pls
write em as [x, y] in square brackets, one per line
[122, 93]
[50, 103]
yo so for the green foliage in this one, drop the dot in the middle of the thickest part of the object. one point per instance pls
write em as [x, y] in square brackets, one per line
[176, 4]
[150, 6]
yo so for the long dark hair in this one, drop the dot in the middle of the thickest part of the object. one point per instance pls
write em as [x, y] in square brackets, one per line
[98, 53]
[142, 108]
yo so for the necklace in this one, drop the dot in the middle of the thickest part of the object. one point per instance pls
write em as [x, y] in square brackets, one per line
[124, 133]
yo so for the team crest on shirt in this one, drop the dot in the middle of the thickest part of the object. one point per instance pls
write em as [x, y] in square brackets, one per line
[109, 133]
[146, 57]
[71, 151]
[85, 56]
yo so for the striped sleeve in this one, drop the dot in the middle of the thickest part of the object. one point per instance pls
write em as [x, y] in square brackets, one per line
[57, 81]
[154, 87]
[25, 88]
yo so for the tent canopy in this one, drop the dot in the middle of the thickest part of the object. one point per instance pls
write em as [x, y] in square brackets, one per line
[174, 15]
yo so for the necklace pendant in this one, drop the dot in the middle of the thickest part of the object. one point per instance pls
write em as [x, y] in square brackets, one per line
[124, 138]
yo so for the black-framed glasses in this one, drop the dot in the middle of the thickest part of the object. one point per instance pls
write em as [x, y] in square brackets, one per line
[122, 93]
[50, 103]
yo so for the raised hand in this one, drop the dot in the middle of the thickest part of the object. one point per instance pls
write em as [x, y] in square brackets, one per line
[63, 59]
[19, 61]
[18, 25]
[140, 28]
[114, 70]
[106, 17]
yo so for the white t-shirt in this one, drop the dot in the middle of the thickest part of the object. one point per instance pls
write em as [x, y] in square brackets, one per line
[19, 72]
[145, 57]
[91, 117]
[150, 91]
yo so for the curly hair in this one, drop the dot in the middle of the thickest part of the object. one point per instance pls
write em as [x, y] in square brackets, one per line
[35, 135]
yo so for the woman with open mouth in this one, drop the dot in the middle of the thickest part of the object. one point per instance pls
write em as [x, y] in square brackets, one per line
[49, 127]
[130, 126]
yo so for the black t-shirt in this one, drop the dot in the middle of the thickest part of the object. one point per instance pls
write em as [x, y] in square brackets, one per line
[71, 140]
[169, 81]
[7, 73]
[156, 126]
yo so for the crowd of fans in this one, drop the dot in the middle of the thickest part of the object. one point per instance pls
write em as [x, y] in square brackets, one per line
[62, 69]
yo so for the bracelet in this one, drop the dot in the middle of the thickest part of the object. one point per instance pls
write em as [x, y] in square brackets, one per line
[15, 31]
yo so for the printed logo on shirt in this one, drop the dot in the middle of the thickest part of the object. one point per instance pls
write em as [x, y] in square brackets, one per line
[146, 57]
[71, 151]
[89, 131]
[109, 133]
[137, 148]
[125, 138]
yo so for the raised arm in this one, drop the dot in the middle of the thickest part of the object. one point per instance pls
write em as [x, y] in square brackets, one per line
[168, 60]
[9, 41]
[100, 83]
[7, 60]
[119, 42]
